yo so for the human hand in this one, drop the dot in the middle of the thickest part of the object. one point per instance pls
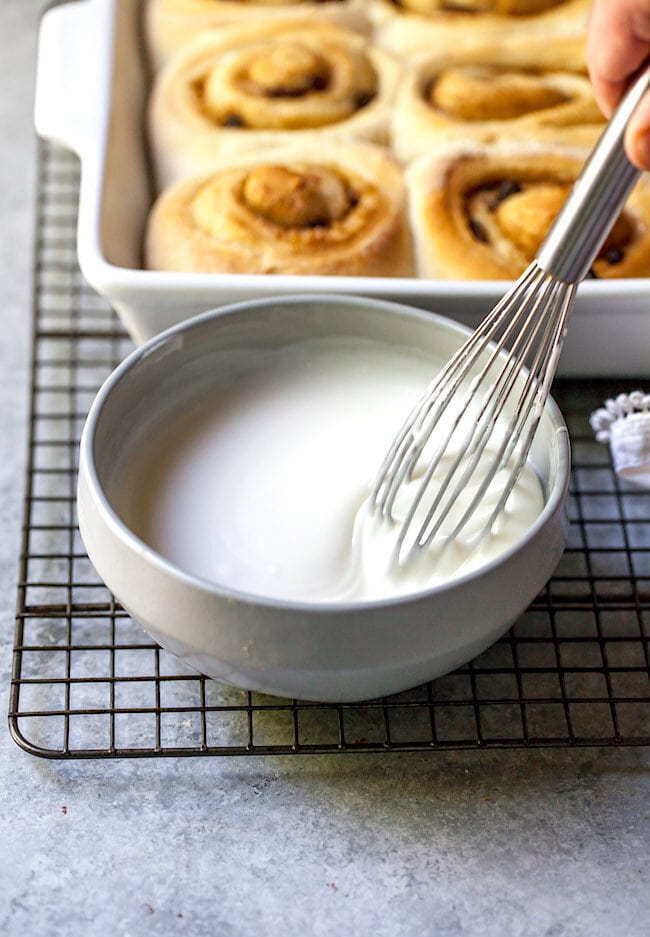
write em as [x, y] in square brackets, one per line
[618, 43]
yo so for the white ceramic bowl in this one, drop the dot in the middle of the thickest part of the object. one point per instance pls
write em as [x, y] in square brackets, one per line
[332, 652]
[91, 90]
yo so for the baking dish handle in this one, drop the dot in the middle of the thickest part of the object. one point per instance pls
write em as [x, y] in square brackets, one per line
[73, 72]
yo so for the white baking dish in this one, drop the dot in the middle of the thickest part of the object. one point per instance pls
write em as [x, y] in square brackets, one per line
[91, 90]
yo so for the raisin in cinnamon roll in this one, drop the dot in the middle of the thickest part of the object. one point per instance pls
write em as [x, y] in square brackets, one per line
[484, 95]
[250, 87]
[170, 24]
[406, 26]
[481, 211]
[325, 208]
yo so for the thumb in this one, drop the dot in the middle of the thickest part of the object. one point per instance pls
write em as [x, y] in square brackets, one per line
[637, 135]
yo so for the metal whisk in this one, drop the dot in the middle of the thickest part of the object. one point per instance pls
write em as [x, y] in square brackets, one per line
[478, 417]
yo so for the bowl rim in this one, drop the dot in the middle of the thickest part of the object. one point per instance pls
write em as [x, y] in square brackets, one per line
[88, 468]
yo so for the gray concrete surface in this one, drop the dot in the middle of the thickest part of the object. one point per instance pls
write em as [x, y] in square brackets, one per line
[487, 844]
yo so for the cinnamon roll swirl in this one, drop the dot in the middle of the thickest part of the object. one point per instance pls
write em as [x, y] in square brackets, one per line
[259, 85]
[325, 208]
[169, 24]
[481, 211]
[486, 94]
[406, 26]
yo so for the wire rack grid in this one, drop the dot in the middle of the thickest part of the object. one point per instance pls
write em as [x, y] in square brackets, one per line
[87, 682]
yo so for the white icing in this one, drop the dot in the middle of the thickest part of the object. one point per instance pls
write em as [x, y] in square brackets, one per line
[263, 488]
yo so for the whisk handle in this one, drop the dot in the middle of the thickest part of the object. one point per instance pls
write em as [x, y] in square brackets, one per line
[596, 199]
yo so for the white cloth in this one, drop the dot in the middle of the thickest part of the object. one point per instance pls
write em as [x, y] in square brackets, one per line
[625, 424]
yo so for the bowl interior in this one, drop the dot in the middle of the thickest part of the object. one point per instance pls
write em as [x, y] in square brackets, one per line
[193, 361]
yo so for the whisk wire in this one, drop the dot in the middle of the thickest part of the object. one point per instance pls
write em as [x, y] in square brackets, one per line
[481, 430]
[407, 447]
[517, 355]
[535, 403]
[548, 347]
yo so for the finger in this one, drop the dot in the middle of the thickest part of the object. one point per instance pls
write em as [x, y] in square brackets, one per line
[618, 42]
[637, 135]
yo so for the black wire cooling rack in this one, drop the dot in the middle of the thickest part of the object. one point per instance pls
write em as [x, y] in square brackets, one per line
[87, 681]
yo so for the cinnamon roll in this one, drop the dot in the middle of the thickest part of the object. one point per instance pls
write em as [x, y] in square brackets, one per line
[259, 85]
[486, 94]
[406, 26]
[481, 211]
[324, 208]
[170, 24]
